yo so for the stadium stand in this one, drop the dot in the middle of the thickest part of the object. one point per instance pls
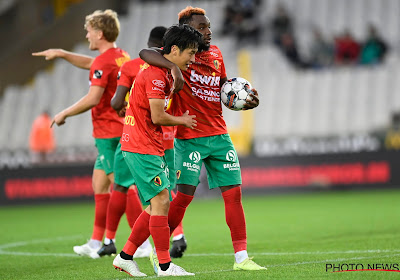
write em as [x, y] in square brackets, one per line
[322, 103]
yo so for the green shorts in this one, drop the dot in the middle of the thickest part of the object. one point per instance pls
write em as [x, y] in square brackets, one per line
[218, 155]
[170, 159]
[122, 174]
[150, 173]
[105, 158]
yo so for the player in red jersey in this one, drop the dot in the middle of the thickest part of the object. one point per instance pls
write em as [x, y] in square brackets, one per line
[143, 150]
[126, 78]
[102, 31]
[209, 142]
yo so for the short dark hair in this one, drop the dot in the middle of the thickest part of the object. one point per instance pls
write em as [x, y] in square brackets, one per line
[156, 36]
[183, 36]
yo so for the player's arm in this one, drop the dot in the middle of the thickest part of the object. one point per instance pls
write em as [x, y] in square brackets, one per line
[118, 101]
[84, 104]
[154, 57]
[76, 59]
[160, 117]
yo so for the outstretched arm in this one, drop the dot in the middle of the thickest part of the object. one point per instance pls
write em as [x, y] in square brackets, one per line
[85, 103]
[154, 57]
[76, 59]
[118, 101]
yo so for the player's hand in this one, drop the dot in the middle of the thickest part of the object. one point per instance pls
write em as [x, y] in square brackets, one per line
[253, 102]
[122, 112]
[49, 54]
[59, 119]
[189, 120]
[178, 79]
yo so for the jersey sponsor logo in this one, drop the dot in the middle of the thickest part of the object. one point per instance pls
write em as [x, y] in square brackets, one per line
[214, 54]
[205, 80]
[168, 135]
[158, 83]
[216, 64]
[129, 120]
[231, 155]
[191, 166]
[157, 89]
[97, 74]
[157, 181]
[207, 95]
[195, 156]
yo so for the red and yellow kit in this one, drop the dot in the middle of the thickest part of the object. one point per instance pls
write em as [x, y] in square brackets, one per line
[201, 95]
[103, 73]
[140, 134]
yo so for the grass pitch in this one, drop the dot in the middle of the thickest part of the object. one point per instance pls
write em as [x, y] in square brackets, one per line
[295, 236]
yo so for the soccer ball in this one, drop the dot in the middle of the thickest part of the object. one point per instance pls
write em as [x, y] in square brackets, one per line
[235, 92]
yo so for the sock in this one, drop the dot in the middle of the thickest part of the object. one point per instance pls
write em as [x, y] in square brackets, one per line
[177, 237]
[241, 256]
[140, 232]
[177, 209]
[159, 230]
[125, 256]
[164, 266]
[100, 214]
[107, 241]
[133, 207]
[235, 219]
[116, 208]
[178, 232]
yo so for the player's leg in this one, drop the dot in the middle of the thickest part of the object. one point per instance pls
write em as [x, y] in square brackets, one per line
[101, 188]
[224, 172]
[188, 161]
[179, 243]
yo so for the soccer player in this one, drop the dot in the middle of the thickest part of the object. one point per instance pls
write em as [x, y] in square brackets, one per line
[102, 31]
[126, 78]
[209, 142]
[144, 152]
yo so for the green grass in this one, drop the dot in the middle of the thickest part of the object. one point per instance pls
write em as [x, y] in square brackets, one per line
[295, 236]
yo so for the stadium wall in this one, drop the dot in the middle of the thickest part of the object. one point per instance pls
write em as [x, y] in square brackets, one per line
[261, 175]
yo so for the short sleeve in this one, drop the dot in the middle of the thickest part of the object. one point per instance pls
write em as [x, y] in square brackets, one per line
[100, 73]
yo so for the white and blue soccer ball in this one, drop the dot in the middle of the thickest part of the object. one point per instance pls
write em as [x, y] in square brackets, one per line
[235, 92]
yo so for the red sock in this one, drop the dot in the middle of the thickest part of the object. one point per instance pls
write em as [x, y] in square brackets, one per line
[177, 209]
[235, 219]
[133, 207]
[140, 232]
[159, 230]
[100, 214]
[179, 229]
[116, 208]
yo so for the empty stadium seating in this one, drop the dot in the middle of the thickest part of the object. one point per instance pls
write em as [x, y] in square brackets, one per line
[293, 103]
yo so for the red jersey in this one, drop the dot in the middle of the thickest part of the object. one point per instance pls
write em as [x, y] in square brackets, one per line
[201, 95]
[140, 134]
[103, 73]
[128, 72]
[127, 75]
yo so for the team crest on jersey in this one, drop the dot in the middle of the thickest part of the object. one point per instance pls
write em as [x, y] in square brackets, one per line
[144, 66]
[178, 174]
[97, 74]
[216, 64]
[157, 181]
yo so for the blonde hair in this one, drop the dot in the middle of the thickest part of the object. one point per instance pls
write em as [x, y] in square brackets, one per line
[105, 21]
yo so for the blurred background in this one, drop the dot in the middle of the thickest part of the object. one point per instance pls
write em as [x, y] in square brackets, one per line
[326, 72]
